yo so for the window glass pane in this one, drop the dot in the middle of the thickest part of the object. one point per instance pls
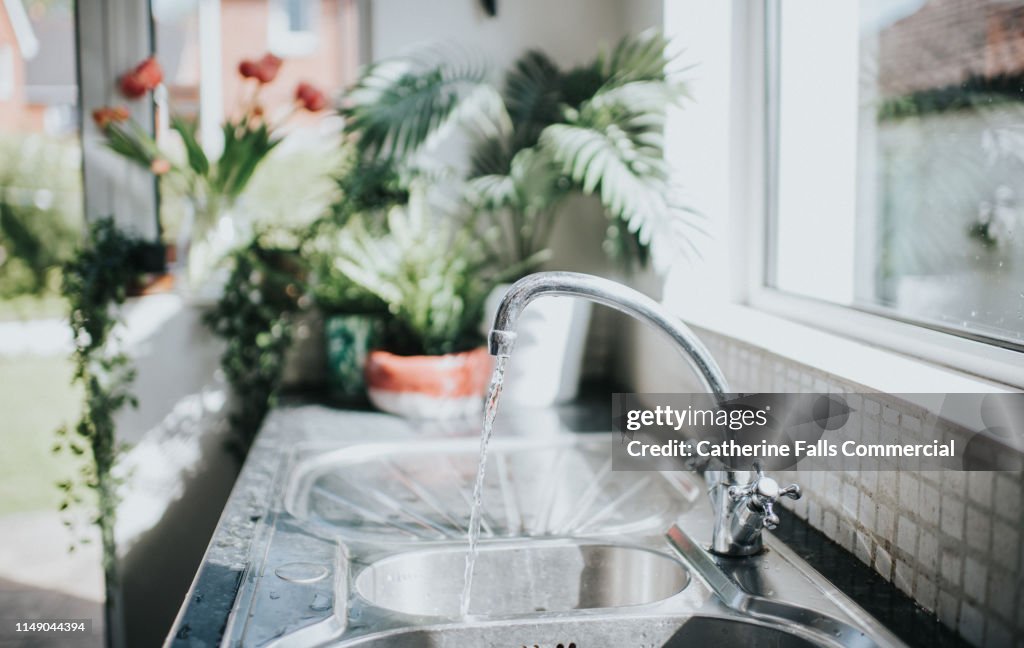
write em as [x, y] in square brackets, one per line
[901, 159]
[40, 226]
[40, 153]
[200, 49]
[299, 15]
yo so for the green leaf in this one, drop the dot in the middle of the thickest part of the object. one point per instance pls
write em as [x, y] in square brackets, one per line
[643, 57]
[616, 152]
[533, 97]
[399, 105]
[432, 273]
[128, 143]
[197, 159]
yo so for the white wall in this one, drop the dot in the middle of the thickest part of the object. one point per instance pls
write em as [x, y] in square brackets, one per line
[570, 31]
[177, 467]
[639, 15]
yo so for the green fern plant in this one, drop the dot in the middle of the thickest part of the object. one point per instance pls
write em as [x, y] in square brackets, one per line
[433, 274]
[595, 129]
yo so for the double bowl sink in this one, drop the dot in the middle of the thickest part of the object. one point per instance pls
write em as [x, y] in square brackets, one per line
[367, 548]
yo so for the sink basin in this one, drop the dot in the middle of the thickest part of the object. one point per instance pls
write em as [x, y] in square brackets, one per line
[522, 579]
[421, 492]
[640, 632]
[366, 545]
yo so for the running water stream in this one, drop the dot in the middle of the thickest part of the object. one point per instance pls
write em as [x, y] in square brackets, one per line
[490, 410]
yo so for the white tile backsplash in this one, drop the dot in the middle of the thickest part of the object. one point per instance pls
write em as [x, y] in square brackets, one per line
[950, 540]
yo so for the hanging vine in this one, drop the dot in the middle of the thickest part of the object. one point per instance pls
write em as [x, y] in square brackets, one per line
[255, 317]
[95, 284]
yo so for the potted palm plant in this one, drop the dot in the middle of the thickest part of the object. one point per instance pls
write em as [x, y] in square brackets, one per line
[434, 277]
[546, 135]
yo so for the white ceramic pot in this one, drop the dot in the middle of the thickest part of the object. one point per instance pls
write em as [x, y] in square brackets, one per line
[547, 360]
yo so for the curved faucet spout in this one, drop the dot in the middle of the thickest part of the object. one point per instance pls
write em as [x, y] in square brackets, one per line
[573, 284]
[743, 503]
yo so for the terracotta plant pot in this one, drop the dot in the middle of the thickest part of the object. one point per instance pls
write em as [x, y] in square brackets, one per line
[150, 284]
[433, 387]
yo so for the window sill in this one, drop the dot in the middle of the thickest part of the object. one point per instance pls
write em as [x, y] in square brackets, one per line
[858, 362]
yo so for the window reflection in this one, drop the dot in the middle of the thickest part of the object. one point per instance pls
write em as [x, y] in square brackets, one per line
[925, 100]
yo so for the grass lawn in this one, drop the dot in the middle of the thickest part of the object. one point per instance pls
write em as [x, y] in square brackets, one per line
[26, 307]
[35, 398]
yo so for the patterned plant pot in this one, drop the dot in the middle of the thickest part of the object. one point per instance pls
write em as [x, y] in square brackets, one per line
[349, 339]
[431, 387]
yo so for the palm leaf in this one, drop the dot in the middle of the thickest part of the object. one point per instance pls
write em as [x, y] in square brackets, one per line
[533, 96]
[399, 105]
[612, 151]
[491, 156]
[643, 57]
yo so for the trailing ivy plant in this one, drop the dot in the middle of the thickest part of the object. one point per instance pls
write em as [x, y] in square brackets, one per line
[255, 317]
[94, 284]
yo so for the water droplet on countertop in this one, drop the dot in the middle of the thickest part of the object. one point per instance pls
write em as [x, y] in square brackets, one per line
[302, 572]
[320, 602]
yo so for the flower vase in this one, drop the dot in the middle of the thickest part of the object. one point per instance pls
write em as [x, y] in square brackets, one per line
[210, 231]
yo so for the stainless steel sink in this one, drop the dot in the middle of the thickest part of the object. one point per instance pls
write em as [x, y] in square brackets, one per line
[366, 548]
[421, 492]
[647, 632]
[522, 579]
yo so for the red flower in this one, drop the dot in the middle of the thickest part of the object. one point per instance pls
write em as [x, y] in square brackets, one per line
[264, 70]
[269, 66]
[145, 77]
[109, 115]
[248, 69]
[311, 98]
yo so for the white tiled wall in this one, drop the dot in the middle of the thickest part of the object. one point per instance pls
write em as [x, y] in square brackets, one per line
[950, 540]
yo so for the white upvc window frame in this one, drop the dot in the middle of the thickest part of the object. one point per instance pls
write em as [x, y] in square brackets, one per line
[727, 290]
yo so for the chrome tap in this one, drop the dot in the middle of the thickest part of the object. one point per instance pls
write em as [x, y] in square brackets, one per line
[743, 506]
[743, 500]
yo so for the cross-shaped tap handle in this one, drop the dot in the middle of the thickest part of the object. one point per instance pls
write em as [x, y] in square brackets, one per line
[762, 493]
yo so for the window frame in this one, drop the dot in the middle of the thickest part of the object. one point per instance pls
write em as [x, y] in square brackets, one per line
[286, 42]
[988, 358]
[110, 38]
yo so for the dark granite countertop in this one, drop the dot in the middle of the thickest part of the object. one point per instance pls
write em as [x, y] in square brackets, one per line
[894, 609]
[206, 613]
